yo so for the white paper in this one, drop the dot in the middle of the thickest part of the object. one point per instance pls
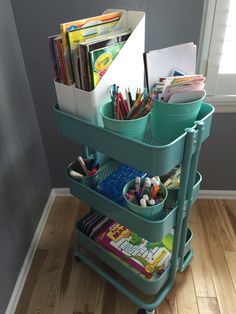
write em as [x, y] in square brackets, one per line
[161, 62]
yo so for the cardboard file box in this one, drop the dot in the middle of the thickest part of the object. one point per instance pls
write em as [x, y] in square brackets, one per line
[126, 70]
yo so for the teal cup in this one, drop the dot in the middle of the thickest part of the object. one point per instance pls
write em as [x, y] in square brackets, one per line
[134, 129]
[74, 170]
[169, 120]
[152, 213]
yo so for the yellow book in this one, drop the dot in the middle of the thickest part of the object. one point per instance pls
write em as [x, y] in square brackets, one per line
[69, 26]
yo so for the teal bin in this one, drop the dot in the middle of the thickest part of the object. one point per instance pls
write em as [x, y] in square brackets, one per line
[152, 213]
[134, 129]
[169, 120]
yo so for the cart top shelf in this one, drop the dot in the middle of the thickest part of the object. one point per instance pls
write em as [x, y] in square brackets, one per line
[147, 155]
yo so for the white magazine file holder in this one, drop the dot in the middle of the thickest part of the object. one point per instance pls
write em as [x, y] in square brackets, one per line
[127, 70]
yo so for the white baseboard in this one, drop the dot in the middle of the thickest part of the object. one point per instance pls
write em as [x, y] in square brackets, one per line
[11, 308]
[62, 192]
[217, 194]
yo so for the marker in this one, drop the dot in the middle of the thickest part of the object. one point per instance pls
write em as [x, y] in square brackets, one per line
[75, 175]
[145, 196]
[154, 190]
[93, 171]
[82, 164]
[137, 196]
[137, 184]
[152, 202]
[143, 202]
[146, 186]
[153, 181]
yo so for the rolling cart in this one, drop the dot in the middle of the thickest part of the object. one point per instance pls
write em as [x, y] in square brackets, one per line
[147, 156]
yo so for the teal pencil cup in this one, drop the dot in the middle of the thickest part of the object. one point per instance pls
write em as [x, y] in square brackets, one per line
[90, 181]
[169, 120]
[152, 213]
[134, 129]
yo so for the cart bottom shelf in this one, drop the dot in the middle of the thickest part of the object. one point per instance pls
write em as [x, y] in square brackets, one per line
[147, 286]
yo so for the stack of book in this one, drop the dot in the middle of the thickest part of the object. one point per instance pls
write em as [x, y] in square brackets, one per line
[148, 259]
[84, 49]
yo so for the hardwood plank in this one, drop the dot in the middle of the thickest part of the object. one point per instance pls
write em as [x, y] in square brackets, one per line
[208, 306]
[225, 230]
[90, 291]
[231, 261]
[69, 285]
[60, 223]
[185, 293]
[220, 273]
[47, 288]
[33, 275]
[169, 304]
[203, 282]
[230, 206]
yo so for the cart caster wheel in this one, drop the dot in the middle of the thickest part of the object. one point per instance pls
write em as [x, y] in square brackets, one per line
[141, 311]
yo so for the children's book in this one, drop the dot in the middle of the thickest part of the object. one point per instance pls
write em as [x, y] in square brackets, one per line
[68, 26]
[95, 43]
[101, 59]
[55, 67]
[149, 258]
[76, 36]
[60, 59]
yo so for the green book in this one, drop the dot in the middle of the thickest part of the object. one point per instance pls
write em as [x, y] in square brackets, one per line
[101, 59]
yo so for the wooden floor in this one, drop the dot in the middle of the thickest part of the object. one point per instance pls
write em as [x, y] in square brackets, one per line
[58, 284]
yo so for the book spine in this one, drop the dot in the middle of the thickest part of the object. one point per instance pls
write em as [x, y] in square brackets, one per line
[66, 56]
[88, 68]
[53, 58]
[58, 46]
[76, 67]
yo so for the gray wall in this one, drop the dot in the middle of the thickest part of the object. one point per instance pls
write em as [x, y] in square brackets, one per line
[24, 182]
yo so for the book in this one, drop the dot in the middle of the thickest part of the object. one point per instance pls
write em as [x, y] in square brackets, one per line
[76, 67]
[76, 36]
[95, 43]
[149, 258]
[69, 26]
[101, 59]
[55, 68]
[59, 58]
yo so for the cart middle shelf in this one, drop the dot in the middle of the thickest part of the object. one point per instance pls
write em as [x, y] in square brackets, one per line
[150, 230]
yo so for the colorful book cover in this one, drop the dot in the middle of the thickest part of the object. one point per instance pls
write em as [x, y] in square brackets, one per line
[79, 35]
[101, 59]
[55, 67]
[60, 59]
[149, 258]
[65, 27]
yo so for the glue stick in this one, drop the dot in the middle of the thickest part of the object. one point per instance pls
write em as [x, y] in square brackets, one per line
[137, 184]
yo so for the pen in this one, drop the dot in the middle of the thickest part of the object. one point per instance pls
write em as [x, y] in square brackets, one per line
[81, 161]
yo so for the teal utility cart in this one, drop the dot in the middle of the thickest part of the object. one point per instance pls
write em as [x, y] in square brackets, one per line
[147, 156]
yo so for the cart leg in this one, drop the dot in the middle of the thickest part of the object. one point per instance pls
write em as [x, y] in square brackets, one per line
[141, 311]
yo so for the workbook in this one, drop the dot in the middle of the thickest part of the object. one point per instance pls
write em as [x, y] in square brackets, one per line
[101, 59]
[149, 258]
